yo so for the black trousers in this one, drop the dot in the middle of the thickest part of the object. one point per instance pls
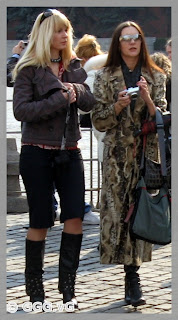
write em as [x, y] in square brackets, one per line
[39, 172]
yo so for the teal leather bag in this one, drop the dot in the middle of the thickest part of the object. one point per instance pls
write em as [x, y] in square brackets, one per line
[151, 216]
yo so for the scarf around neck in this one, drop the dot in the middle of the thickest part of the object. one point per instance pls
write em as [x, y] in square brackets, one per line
[131, 78]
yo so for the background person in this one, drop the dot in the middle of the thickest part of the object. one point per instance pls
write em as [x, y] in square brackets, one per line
[46, 77]
[165, 64]
[169, 48]
[88, 48]
[92, 58]
[12, 61]
[128, 65]
[91, 67]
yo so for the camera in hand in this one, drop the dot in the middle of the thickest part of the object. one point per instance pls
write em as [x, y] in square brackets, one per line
[133, 92]
[25, 43]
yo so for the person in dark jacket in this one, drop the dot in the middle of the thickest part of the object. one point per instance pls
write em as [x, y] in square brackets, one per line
[12, 61]
[48, 90]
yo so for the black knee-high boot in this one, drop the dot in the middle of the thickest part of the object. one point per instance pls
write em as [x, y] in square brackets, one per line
[133, 291]
[68, 265]
[34, 270]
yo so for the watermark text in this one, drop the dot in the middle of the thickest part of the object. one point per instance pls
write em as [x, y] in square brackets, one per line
[46, 306]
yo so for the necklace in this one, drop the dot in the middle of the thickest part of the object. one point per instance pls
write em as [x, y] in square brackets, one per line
[56, 60]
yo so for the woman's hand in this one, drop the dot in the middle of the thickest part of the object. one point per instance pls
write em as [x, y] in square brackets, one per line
[123, 101]
[18, 48]
[144, 92]
[70, 87]
[145, 95]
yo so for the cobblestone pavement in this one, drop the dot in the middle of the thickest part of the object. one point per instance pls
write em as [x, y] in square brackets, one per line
[99, 288]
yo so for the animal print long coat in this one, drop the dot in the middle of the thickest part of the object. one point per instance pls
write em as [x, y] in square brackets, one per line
[121, 160]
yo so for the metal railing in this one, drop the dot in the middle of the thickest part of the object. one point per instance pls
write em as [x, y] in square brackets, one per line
[91, 160]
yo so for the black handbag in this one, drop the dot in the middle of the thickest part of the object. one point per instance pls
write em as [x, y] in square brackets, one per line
[153, 176]
[151, 215]
[156, 174]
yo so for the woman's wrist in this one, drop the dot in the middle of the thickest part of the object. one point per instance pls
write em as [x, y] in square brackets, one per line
[151, 107]
[118, 108]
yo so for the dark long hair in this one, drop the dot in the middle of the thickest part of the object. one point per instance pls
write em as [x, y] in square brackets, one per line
[114, 55]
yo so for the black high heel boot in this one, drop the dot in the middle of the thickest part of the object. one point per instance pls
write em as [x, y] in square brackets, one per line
[127, 291]
[133, 291]
[34, 270]
[68, 265]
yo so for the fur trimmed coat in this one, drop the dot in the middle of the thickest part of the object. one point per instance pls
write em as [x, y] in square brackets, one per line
[121, 161]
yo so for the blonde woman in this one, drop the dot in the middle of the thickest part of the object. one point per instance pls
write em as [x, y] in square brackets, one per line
[87, 47]
[47, 77]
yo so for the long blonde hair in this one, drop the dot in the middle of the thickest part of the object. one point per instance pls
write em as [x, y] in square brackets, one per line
[38, 49]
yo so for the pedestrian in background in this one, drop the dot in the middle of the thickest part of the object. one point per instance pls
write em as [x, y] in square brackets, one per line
[120, 116]
[169, 48]
[165, 64]
[91, 67]
[86, 48]
[12, 61]
[92, 58]
[49, 82]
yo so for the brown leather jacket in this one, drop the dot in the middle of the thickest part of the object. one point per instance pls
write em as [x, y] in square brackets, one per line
[41, 107]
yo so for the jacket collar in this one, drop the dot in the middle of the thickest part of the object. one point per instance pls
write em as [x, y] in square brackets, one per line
[46, 80]
[119, 75]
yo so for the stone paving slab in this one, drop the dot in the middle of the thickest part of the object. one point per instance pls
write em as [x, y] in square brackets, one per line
[99, 288]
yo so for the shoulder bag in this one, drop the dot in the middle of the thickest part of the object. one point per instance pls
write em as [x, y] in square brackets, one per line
[149, 217]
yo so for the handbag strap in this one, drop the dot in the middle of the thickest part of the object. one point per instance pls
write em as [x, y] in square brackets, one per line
[160, 131]
[161, 142]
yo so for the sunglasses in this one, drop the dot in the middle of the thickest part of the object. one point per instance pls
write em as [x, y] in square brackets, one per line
[129, 37]
[46, 14]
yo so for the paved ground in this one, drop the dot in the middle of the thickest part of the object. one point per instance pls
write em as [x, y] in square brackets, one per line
[99, 288]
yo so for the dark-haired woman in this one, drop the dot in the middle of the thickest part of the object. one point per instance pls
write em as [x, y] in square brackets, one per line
[49, 82]
[128, 65]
